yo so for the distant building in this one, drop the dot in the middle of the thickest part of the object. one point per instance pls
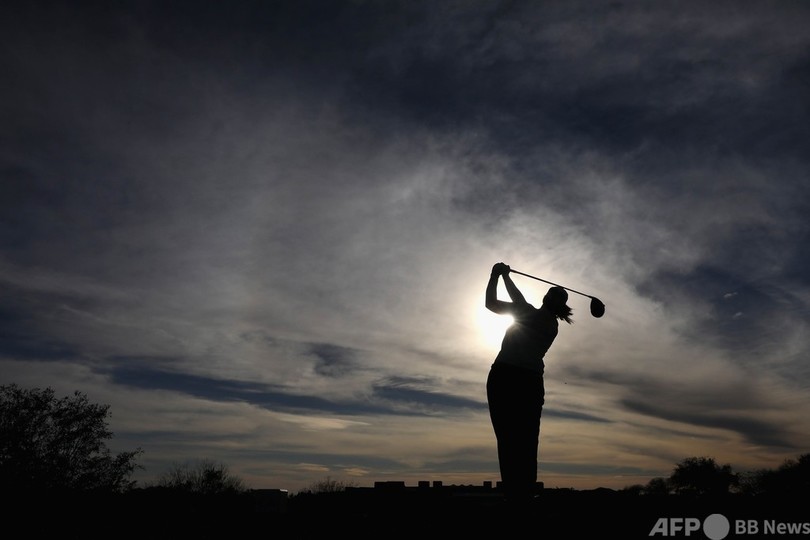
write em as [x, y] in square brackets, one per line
[270, 501]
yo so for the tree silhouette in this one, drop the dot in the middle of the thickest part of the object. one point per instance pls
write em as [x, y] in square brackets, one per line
[656, 486]
[699, 476]
[795, 475]
[203, 477]
[49, 444]
[329, 486]
[792, 478]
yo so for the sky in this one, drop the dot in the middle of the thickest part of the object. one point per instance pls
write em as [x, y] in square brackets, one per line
[261, 231]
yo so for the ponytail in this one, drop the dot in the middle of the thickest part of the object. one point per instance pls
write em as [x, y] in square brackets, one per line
[564, 313]
[555, 300]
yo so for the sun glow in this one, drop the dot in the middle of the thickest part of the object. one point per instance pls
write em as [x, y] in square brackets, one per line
[492, 326]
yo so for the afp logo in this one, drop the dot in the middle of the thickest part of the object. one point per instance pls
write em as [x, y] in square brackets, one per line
[715, 527]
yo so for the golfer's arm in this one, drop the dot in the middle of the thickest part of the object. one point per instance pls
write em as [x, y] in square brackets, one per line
[513, 291]
[492, 303]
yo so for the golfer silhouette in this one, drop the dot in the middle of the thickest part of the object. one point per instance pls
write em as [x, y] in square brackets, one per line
[515, 390]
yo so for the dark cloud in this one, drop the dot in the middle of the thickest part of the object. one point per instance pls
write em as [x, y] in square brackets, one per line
[595, 469]
[332, 360]
[711, 286]
[757, 432]
[721, 404]
[753, 321]
[24, 317]
[336, 461]
[388, 398]
[268, 396]
[34, 347]
[552, 412]
[415, 394]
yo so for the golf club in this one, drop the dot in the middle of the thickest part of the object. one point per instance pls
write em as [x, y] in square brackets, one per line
[597, 307]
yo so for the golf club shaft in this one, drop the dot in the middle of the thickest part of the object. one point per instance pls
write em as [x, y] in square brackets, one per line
[550, 283]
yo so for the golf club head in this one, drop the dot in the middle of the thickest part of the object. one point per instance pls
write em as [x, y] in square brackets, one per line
[597, 307]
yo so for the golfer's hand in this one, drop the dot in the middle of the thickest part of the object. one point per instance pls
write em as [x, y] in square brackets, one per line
[500, 269]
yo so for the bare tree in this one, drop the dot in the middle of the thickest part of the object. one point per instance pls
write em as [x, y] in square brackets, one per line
[329, 486]
[203, 477]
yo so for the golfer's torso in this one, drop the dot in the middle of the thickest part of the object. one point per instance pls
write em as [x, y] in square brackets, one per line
[528, 339]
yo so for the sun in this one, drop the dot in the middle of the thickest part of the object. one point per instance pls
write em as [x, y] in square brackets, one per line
[492, 326]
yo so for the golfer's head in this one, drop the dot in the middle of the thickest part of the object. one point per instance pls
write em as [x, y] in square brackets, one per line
[555, 298]
[555, 301]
